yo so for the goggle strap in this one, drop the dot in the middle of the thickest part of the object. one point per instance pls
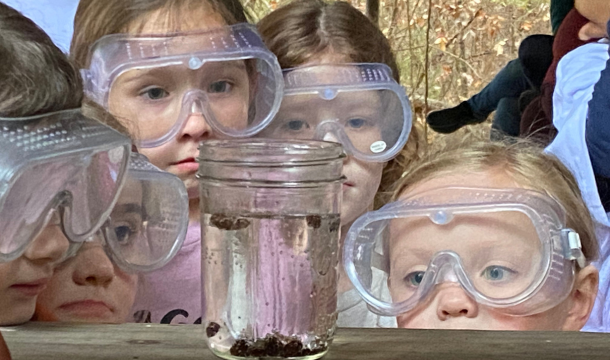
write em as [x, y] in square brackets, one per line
[574, 247]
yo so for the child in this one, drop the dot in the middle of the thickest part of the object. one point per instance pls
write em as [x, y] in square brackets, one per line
[34, 211]
[313, 32]
[475, 240]
[224, 84]
[146, 228]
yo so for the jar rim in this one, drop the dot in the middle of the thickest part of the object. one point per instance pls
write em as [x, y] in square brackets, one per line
[266, 151]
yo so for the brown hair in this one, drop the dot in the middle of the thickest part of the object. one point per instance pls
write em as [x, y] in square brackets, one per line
[36, 75]
[304, 29]
[524, 161]
[97, 18]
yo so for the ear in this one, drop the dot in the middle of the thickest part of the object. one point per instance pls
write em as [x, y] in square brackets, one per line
[582, 298]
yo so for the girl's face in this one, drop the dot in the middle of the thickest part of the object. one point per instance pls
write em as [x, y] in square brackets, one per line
[23, 279]
[362, 177]
[511, 240]
[155, 89]
[88, 288]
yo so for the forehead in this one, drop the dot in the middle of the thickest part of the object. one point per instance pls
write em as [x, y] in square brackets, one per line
[492, 178]
[183, 19]
[495, 227]
[327, 58]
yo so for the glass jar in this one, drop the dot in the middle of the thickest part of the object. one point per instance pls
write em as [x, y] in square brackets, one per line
[270, 232]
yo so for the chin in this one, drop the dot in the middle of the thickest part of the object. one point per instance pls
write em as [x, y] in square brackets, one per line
[16, 316]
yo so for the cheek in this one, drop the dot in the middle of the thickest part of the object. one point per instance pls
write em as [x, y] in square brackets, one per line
[58, 290]
[7, 275]
[127, 285]
[366, 175]
[161, 156]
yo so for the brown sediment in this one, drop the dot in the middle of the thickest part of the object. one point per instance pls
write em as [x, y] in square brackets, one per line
[275, 345]
[334, 225]
[314, 221]
[225, 222]
[212, 329]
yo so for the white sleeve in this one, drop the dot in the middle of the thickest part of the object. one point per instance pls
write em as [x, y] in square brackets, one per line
[577, 73]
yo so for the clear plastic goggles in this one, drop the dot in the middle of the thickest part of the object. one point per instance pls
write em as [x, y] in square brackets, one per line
[507, 248]
[226, 75]
[61, 161]
[359, 105]
[149, 221]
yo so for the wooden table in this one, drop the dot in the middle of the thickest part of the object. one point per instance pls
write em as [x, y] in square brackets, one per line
[140, 341]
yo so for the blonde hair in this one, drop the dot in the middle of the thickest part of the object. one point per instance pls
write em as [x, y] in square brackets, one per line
[524, 161]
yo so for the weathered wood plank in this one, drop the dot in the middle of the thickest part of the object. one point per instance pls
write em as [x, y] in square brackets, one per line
[137, 341]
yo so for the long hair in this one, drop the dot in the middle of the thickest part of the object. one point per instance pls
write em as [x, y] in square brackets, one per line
[305, 29]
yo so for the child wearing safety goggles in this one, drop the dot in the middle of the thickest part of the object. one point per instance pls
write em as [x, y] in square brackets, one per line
[342, 85]
[143, 233]
[53, 159]
[475, 239]
[199, 72]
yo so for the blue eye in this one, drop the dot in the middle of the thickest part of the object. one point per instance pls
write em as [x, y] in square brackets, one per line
[497, 273]
[415, 278]
[219, 87]
[296, 125]
[155, 93]
[356, 123]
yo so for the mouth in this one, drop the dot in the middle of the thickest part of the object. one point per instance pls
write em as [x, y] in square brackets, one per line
[88, 308]
[33, 288]
[188, 164]
[347, 184]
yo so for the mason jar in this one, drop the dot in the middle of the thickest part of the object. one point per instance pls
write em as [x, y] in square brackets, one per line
[270, 231]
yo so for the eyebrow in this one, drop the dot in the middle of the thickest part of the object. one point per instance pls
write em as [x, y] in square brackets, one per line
[128, 208]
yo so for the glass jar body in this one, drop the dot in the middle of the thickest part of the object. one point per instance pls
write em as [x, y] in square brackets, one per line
[270, 232]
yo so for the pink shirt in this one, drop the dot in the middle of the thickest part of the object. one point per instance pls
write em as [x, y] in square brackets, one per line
[172, 294]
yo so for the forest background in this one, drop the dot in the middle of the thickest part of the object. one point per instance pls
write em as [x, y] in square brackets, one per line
[467, 42]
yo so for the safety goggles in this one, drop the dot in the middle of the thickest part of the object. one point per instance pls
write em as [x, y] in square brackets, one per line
[226, 75]
[359, 105]
[507, 248]
[62, 162]
[149, 221]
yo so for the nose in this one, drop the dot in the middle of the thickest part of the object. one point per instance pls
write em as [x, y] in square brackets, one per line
[92, 266]
[453, 301]
[196, 125]
[49, 246]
